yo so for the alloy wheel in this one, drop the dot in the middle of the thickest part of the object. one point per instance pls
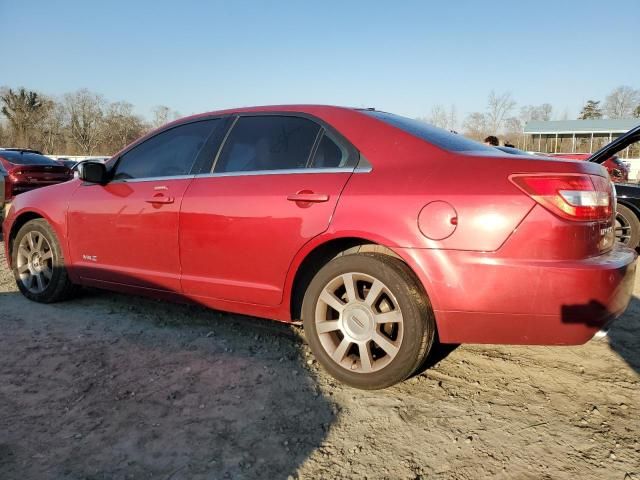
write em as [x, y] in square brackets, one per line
[359, 322]
[34, 262]
[623, 229]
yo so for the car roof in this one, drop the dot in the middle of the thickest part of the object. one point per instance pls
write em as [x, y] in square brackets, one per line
[310, 109]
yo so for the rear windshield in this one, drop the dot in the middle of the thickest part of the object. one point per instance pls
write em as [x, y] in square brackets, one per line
[437, 136]
[24, 158]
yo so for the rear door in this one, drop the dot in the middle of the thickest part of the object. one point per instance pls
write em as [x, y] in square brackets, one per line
[274, 186]
[126, 232]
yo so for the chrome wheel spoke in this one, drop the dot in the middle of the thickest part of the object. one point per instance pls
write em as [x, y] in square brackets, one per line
[23, 252]
[341, 351]
[328, 326]
[394, 316]
[38, 243]
[330, 299]
[374, 292]
[366, 359]
[40, 281]
[350, 287]
[23, 268]
[47, 255]
[385, 344]
[47, 272]
[30, 241]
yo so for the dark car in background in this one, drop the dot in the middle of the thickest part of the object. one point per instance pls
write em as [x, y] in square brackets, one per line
[627, 224]
[25, 170]
[618, 170]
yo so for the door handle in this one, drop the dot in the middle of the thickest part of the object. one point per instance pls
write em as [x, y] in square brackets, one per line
[308, 197]
[160, 199]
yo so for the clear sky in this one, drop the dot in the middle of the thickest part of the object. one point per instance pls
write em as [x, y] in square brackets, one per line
[401, 56]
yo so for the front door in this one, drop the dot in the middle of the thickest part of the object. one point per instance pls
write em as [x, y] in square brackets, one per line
[126, 232]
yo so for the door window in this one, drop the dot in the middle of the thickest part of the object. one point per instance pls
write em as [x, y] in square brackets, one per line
[329, 154]
[170, 153]
[268, 143]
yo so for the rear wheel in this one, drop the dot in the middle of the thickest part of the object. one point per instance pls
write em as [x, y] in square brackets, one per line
[368, 320]
[38, 264]
[627, 226]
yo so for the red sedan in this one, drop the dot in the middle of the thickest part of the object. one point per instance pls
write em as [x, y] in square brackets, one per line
[347, 219]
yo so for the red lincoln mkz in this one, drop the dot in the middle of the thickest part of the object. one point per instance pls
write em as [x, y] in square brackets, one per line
[348, 219]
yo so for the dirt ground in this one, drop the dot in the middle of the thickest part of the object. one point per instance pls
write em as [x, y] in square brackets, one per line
[108, 386]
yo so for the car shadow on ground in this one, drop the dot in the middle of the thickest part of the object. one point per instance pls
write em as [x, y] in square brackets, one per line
[624, 335]
[623, 332]
[108, 386]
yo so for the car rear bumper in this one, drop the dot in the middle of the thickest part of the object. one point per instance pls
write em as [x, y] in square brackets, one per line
[481, 298]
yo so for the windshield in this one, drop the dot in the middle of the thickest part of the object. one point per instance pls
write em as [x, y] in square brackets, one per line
[434, 135]
[24, 158]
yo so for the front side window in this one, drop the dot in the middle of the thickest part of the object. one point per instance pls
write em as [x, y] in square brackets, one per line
[170, 153]
[268, 143]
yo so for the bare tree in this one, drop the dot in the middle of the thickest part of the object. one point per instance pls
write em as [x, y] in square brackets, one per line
[513, 130]
[162, 115]
[498, 108]
[442, 118]
[530, 113]
[121, 126]
[476, 125]
[453, 118]
[621, 102]
[85, 112]
[24, 109]
[51, 138]
[3, 134]
[438, 116]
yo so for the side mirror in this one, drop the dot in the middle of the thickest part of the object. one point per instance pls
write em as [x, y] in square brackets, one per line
[92, 172]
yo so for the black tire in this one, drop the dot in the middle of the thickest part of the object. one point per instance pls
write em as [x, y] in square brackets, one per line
[627, 226]
[58, 287]
[417, 320]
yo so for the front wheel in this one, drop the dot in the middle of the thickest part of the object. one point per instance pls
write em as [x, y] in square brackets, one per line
[368, 320]
[38, 264]
[627, 226]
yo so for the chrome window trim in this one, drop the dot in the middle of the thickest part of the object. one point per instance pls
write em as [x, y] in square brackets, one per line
[152, 179]
[289, 171]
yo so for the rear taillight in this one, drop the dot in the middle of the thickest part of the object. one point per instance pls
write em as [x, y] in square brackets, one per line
[8, 193]
[577, 197]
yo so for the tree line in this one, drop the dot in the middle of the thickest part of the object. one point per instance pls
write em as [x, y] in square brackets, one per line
[78, 123]
[85, 123]
[501, 116]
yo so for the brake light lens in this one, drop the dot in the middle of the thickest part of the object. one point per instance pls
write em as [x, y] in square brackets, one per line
[577, 197]
[8, 189]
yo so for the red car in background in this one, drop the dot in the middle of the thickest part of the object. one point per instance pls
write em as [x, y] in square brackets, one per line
[348, 219]
[618, 170]
[26, 170]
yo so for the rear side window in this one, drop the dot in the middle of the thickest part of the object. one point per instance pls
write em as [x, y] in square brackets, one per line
[268, 143]
[25, 158]
[437, 136]
[170, 153]
[329, 154]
